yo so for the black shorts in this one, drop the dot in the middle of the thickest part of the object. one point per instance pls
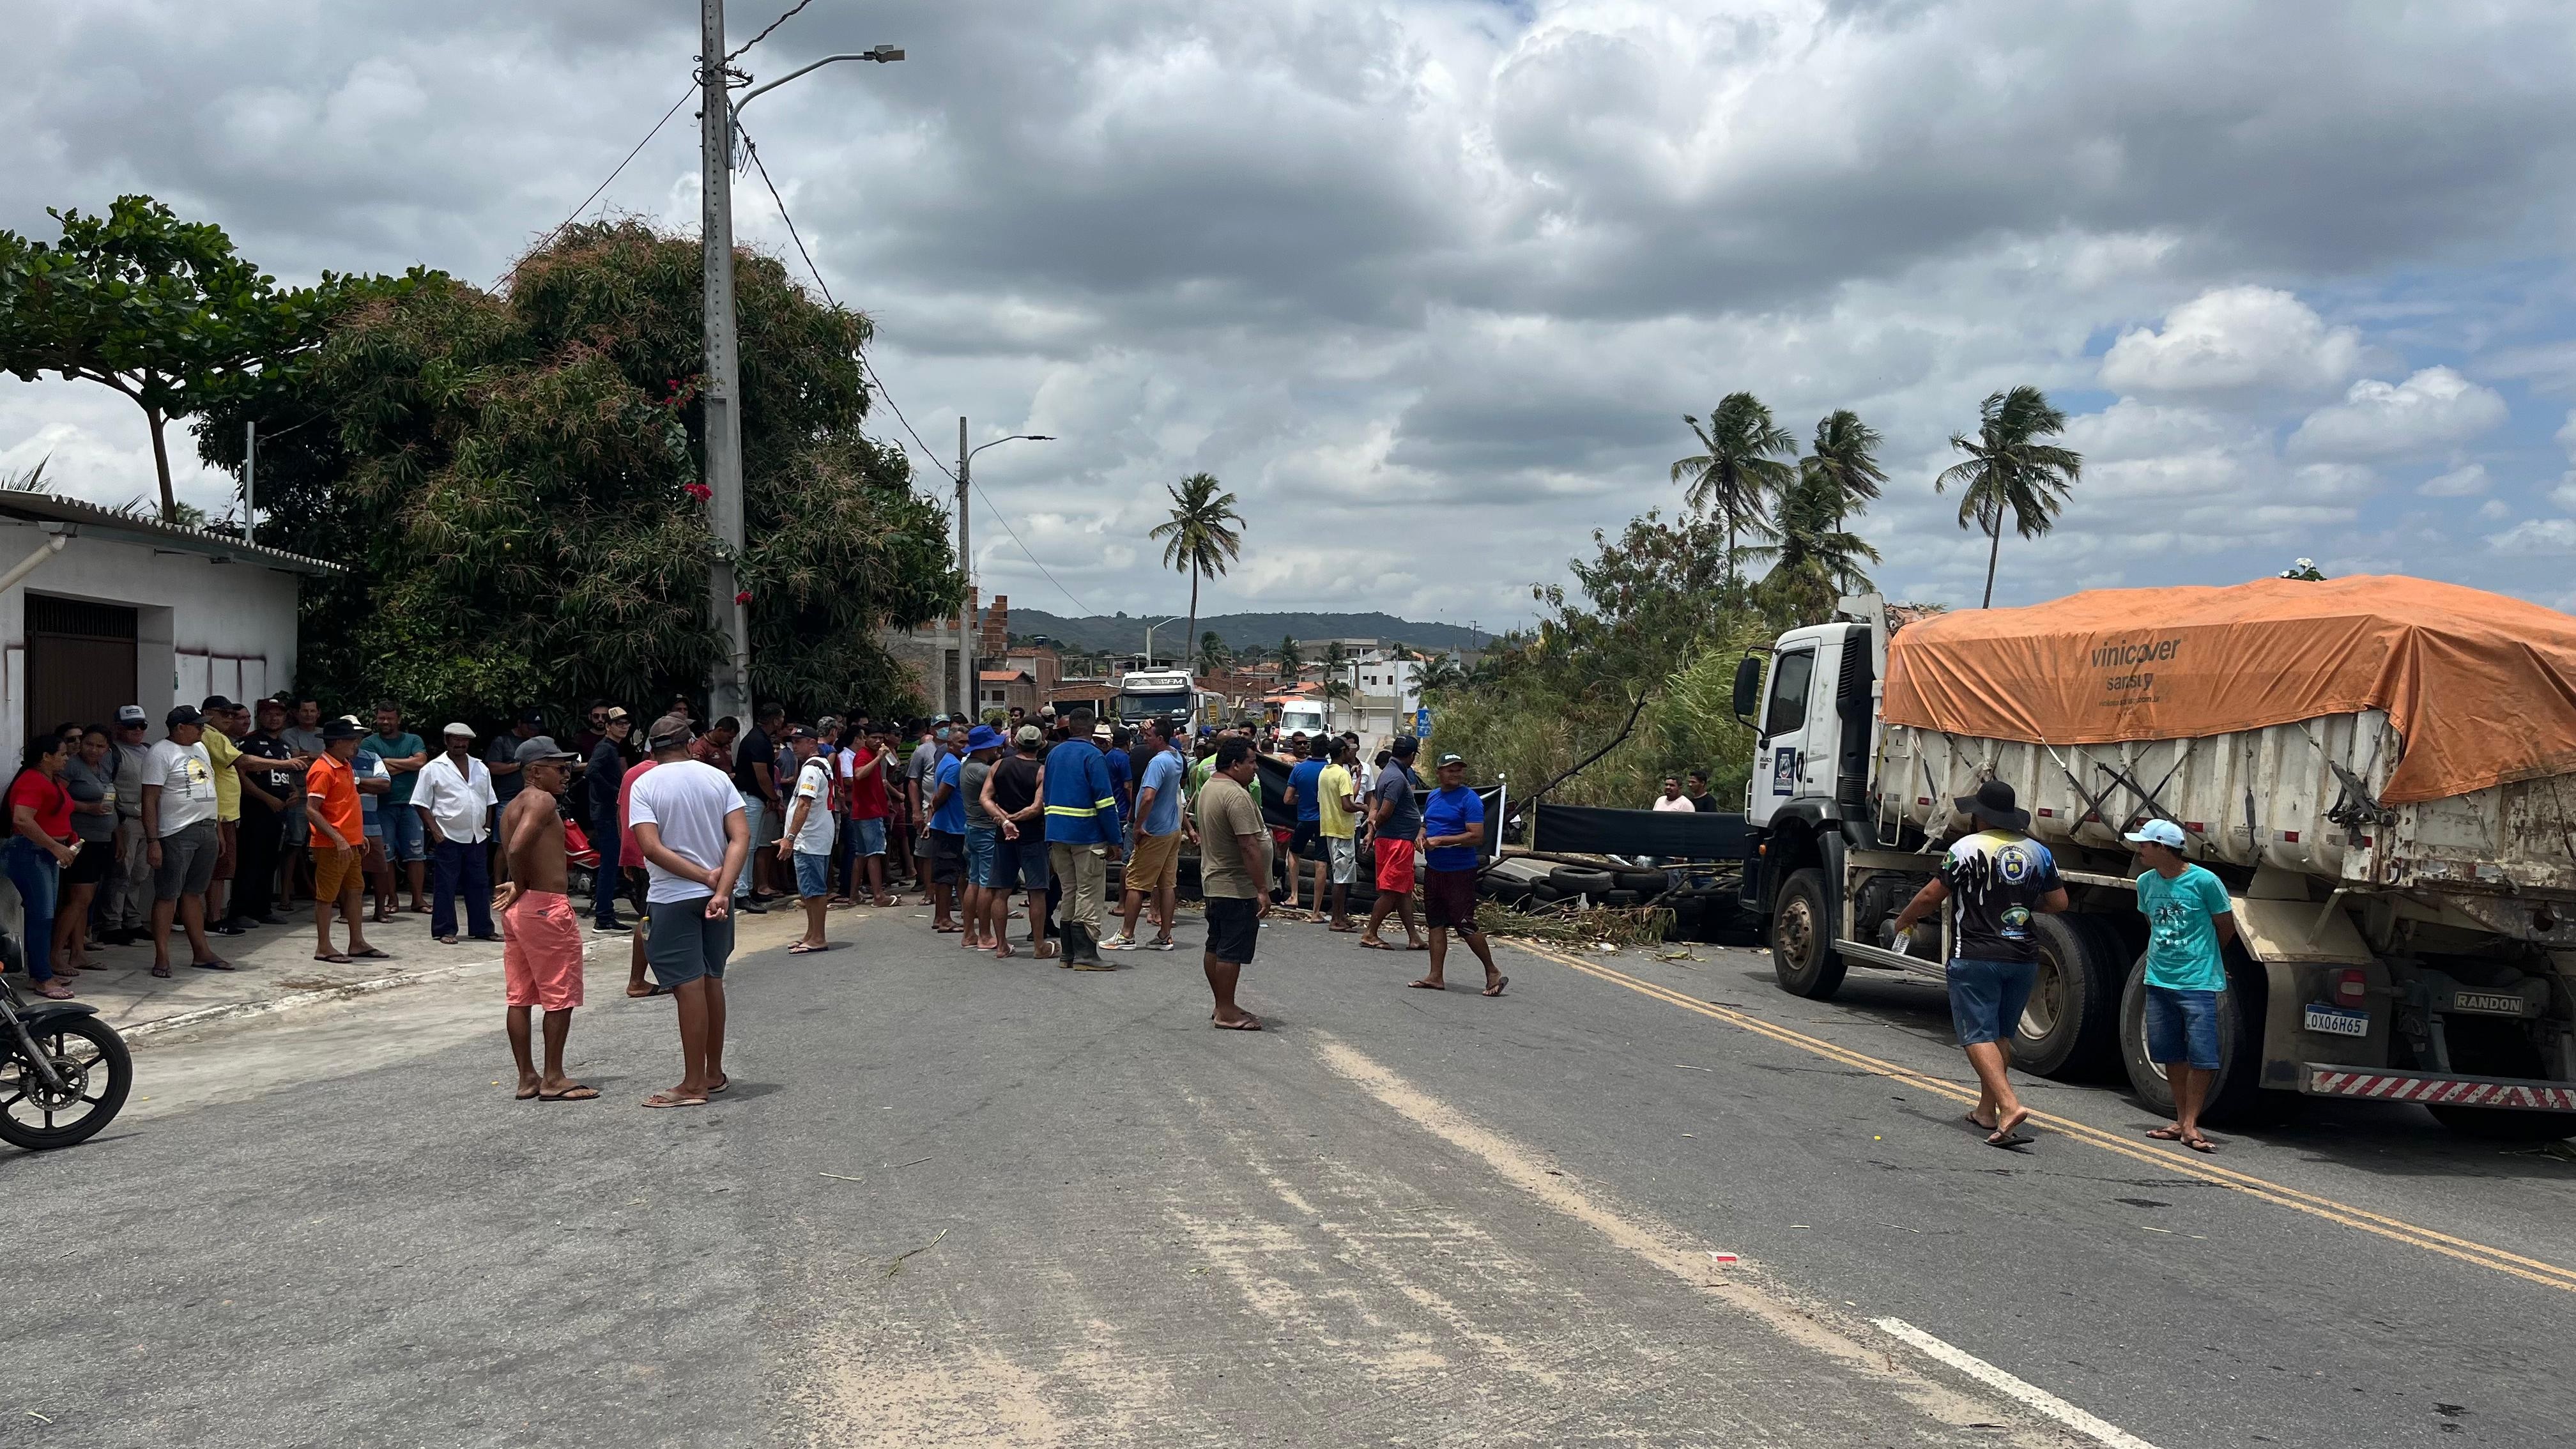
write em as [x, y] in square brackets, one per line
[1234, 928]
[1305, 841]
[947, 858]
[92, 864]
[1449, 899]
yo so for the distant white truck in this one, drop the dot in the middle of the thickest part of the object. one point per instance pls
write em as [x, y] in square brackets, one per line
[2421, 951]
[1171, 694]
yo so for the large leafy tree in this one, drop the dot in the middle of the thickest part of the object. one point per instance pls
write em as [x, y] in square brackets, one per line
[513, 482]
[160, 309]
[2009, 470]
[1740, 466]
[1203, 534]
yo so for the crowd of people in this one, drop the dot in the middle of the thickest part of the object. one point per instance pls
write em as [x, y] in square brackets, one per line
[1004, 828]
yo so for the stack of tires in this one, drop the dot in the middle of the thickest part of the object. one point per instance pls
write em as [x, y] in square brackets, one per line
[1523, 882]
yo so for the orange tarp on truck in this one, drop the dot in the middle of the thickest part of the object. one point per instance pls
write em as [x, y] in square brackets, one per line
[2481, 688]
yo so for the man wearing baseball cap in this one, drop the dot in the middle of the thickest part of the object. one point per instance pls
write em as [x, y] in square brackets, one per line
[2190, 924]
[541, 955]
[1999, 876]
[691, 831]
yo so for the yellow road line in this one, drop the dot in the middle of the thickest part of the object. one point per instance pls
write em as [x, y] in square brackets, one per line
[2530, 1269]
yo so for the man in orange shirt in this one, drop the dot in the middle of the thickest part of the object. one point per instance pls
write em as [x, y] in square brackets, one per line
[339, 835]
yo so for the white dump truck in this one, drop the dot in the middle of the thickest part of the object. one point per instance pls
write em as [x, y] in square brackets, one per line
[2381, 770]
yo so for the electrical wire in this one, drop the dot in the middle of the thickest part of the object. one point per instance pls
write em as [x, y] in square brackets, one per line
[557, 229]
[752, 149]
[764, 33]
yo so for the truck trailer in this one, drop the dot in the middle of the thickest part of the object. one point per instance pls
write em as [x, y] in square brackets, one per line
[2381, 770]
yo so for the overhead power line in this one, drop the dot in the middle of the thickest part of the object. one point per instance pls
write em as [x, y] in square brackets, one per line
[752, 149]
[764, 30]
[557, 229]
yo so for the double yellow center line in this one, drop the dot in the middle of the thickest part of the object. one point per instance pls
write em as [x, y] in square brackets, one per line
[2177, 1161]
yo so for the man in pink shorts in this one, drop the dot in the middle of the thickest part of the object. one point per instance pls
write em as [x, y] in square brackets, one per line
[540, 931]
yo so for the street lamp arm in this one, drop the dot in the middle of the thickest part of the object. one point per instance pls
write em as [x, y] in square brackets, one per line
[1013, 438]
[880, 54]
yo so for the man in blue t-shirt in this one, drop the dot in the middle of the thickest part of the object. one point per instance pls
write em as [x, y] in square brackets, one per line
[1153, 867]
[2190, 924]
[947, 833]
[2000, 878]
[1306, 792]
[1082, 838]
[1453, 832]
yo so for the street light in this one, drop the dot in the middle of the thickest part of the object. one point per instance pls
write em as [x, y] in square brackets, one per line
[966, 561]
[729, 687]
[1149, 639]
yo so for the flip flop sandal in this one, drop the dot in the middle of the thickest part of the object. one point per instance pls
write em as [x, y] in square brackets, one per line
[1367, 945]
[527, 1096]
[801, 949]
[720, 1086]
[2166, 1134]
[217, 964]
[1497, 988]
[372, 954]
[574, 1093]
[1428, 985]
[666, 1099]
[161, 971]
[2013, 1139]
[2200, 1144]
[335, 958]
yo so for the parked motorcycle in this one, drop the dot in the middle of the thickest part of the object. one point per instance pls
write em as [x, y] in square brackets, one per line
[63, 1072]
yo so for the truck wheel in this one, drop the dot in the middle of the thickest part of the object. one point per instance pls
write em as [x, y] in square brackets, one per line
[2238, 1098]
[2071, 1027]
[1802, 955]
[1643, 882]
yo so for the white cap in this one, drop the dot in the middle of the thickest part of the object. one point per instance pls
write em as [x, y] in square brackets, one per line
[454, 728]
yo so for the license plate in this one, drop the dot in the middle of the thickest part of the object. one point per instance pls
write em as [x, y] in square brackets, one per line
[2493, 1003]
[2335, 1021]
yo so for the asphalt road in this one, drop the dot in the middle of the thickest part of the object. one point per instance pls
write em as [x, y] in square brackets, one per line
[952, 1200]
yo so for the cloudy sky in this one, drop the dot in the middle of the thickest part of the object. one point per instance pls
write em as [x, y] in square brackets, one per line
[1430, 283]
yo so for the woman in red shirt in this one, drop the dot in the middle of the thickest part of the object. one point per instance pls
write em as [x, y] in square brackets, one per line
[39, 846]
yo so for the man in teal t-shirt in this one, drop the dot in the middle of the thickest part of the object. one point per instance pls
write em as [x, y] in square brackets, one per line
[2190, 924]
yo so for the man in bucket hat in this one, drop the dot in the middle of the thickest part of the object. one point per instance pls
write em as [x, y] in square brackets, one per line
[1999, 876]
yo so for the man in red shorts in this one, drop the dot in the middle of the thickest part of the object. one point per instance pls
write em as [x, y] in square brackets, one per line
[540, 930]
[1453, 838]
[1395, 823]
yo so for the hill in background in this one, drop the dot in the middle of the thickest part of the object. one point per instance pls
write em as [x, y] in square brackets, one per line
[1125, 634]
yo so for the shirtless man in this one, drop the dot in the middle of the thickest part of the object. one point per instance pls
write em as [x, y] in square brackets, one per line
[541, 933]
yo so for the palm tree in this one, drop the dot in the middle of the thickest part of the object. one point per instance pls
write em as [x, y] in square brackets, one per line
[1289, 663]
[1213, 655]
[1201, 537]
[1438, 672]
[1816, 560]
[1740, 467]
[2009, 468]
[1846, 455]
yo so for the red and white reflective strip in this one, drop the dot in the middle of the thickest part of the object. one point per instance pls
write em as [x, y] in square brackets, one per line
[2440, 1091]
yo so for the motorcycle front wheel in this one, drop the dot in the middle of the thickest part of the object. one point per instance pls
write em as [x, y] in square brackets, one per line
[95, 1071]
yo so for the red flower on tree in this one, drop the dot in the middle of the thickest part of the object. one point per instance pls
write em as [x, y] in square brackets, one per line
[743, 598]
[698, 491]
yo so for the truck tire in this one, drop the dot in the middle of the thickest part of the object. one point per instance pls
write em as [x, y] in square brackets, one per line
[2070, 1030]
[1619, 898]
[2238, 1099]
[1643, 882]
[1802, 953]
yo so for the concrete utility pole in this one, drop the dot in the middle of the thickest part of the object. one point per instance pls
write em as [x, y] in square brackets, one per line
[729, 684]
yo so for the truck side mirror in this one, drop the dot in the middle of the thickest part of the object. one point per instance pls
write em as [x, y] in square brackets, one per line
[1748, 687]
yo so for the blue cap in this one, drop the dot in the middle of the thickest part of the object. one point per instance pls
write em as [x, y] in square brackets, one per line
[983, 737]
[2156, 832]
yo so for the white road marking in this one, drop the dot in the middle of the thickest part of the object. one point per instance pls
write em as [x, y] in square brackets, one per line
[2029, 1395]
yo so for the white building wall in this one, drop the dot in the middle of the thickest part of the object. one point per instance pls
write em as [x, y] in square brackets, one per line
[202, 626]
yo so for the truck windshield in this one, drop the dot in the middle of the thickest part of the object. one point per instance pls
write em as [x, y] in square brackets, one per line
[1133, 707]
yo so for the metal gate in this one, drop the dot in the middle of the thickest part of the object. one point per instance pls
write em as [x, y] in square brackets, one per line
[80, 661]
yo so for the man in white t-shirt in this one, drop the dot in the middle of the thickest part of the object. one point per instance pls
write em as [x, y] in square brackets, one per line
[180, 839]
[689, 826]
[1673, 798]
[454, 796]
[807, 840]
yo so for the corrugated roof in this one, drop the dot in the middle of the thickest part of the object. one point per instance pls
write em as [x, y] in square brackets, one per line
[91, 520]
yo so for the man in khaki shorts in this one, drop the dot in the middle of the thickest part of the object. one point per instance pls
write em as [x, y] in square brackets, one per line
[1155, 869]
[540, 930]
